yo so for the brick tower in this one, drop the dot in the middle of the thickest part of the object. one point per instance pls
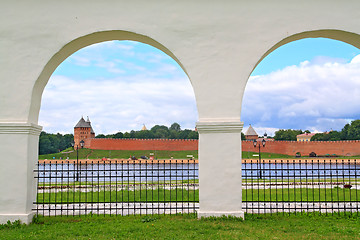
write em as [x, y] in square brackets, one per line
[251, 134]
[83, 131]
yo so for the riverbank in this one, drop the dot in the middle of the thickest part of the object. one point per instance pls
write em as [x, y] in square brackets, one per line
[304, 161]
[120, 161]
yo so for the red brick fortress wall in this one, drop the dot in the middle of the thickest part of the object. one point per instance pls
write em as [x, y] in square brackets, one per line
[142, 144]
[341, 148]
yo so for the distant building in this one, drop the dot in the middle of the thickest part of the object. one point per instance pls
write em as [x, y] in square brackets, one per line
[251, 134]
[83, 131]
[305, 137]
[143, 128]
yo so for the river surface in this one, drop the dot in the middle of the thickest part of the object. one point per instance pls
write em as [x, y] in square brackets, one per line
[125, 173]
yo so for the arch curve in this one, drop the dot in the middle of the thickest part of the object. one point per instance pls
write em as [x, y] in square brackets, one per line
[78, 44]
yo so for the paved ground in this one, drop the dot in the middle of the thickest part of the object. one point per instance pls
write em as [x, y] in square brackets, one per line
[173, 208]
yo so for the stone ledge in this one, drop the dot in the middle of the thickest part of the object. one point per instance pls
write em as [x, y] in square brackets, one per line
[219, 127]
[20, 128]
[24, 218]
[239, 214]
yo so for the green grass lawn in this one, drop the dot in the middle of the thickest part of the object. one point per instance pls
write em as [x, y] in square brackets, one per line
[125, 154]
[274, 195]
[264, 155]
[276, 226]
[158, 195]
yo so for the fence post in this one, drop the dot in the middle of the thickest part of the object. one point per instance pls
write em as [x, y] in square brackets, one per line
[220, 169]
[19, 153]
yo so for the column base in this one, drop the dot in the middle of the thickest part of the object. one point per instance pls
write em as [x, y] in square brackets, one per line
[24, 218]
[238, 214]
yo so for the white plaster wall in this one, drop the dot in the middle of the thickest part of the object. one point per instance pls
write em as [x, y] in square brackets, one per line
[218, 44]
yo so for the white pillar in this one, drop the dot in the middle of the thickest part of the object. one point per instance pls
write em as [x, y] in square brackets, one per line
[18, 155]
[220, 169]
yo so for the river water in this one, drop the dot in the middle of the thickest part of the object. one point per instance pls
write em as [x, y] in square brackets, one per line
[124, 173]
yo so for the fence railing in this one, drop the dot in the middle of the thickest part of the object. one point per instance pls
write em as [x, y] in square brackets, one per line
[117, 187]
[298, 185]
[169, 187]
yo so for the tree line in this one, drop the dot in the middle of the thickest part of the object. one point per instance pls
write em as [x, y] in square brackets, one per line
[350, 131]
[53, 143]
[157, 131]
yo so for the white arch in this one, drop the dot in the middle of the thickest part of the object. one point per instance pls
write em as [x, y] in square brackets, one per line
[78, 44]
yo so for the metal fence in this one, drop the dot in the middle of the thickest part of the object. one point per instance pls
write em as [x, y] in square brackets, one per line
[117, 187]
[170, 187]
[326, 186]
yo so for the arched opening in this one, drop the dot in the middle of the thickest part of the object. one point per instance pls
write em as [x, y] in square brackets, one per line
[330, 69]
[80, 172]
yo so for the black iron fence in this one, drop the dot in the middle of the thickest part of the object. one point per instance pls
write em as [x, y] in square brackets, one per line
[300, 185]
[170, 187]
[117, 187]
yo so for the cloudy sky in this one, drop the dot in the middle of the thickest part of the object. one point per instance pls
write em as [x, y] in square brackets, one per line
[309, 84]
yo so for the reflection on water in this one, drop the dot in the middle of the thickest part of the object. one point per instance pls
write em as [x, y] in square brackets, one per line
[300, 171]
[123, 173]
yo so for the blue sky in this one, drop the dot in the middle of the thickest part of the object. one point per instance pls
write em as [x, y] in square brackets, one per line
[309, 84]
[317, 50]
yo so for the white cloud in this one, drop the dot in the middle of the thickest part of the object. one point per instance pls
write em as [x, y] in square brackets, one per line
[117, 104]
[110, 66]
[81, 61]
[308, 96]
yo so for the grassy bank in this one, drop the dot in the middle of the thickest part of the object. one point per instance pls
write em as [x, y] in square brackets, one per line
[161, 195]
[120, 154]
[307, 226]
[125, 154]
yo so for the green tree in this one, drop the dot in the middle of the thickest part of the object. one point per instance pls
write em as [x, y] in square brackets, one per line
[52, 143]
[344, 132]
[118, 135]
[176, 127]
[132, 134]
[287, 135]
[144, 134]
[173, 134]
[160, 131]
[353, 132]
[100, 136]
[331, 136]
[193, 135]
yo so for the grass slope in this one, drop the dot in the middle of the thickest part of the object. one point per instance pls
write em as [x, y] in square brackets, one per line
[120, 154]
[125, 154]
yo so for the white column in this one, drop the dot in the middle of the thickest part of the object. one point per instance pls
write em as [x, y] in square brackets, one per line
[18, 156]
[220, 169]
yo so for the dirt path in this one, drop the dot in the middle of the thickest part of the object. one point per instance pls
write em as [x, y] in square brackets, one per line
[174, 161]
[123, 161]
